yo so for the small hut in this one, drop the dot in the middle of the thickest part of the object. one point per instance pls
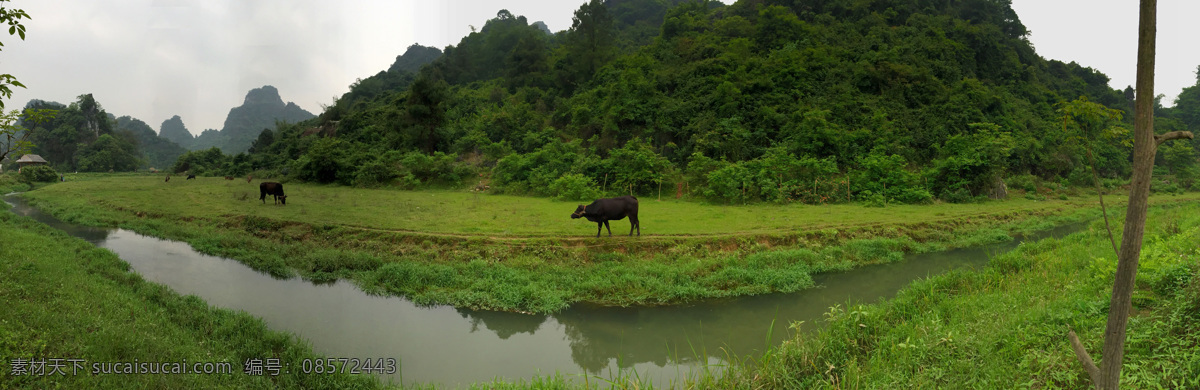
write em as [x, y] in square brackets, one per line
[29, 159]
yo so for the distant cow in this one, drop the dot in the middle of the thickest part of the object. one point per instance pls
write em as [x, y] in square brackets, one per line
[190, 177]
[228, 177]
[273, 189]
[249, 178]
[612, 209]
[168, 178]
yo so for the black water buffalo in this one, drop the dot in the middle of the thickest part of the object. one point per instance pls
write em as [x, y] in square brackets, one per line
[274, 189]
[611, 209]
[190, 177]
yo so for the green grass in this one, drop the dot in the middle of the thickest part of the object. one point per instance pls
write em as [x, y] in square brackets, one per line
[464, 213]
[63, 298]
[9, 183]
[324, 234]
[1006, 327]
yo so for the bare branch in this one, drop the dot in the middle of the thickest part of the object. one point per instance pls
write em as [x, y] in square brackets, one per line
[1100, 194]
[1159, 139]
[1086, 359]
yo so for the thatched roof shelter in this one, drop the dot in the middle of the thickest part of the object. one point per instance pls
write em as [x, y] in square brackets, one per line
[30, 159]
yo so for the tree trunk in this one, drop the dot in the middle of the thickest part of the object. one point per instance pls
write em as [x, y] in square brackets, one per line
[1144, 145]
[1139, 192]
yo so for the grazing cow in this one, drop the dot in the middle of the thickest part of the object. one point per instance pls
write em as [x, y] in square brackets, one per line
[274, 189]
[228, 177]
[249, 178]
[168, 178]
[190, 177]
[611, 209]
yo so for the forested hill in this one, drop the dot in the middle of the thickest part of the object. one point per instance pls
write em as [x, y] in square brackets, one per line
[260, 110]
[901, 100]
[83, 136]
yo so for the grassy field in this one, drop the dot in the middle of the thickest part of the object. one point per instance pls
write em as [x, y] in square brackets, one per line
[468, 214]
[63, 298]
[526, 254]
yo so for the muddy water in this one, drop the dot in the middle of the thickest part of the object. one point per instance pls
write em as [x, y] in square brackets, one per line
[455, 347]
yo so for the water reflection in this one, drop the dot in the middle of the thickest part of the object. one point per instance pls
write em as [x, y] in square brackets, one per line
[455, 347]
[504, 324]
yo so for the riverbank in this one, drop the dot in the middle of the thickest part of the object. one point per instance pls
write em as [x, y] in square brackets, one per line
[1006, 326]
[68, 302]
[525, 254]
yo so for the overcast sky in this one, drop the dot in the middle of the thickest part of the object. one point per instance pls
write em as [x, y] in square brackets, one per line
[152, 59]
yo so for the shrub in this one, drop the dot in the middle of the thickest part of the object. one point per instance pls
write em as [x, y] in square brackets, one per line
[961, 195]
[1029, 183]
[885, 175]
[373, 174]
[871, 199]
[575, 186]
[1166, 187]
[914, 195]
[38, 173]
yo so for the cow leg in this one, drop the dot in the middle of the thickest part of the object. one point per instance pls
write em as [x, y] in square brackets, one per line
[633, 222]
[599, 228]
[607, 227]
[262, 196]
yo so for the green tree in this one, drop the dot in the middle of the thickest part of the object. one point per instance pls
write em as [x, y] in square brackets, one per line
[425, 111]
[109, 153]
[527, 62]
[1187, 105]
[14, 139]
[777, 26]
[264, 141]
[971, 163]
[589, 41]
[1180, 158]
[325, 161]
[637, 166]
[12, 17]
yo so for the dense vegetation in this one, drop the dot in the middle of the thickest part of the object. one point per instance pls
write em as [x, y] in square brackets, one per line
[881, 101]
[159, 152]
[82, 136]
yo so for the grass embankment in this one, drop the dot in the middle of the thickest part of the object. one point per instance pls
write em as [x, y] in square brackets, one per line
[64, 298]
[517, 253]
[9, 183]
[1005, 327]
